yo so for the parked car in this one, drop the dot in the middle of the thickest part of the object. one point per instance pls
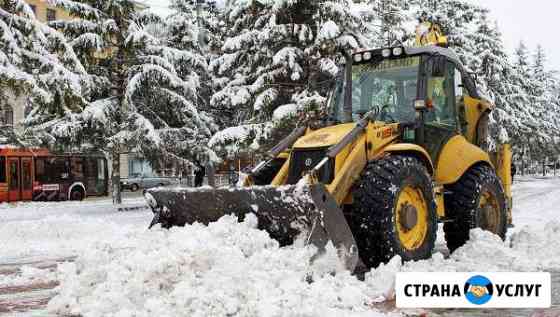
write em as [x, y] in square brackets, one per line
[137, 182]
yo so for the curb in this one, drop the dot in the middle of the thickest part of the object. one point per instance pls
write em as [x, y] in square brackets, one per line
[133, 208]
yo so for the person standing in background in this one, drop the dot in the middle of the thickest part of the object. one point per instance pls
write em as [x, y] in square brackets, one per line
[199, 174]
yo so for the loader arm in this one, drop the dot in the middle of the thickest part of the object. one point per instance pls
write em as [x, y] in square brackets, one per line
[350, 171]
[355, 162]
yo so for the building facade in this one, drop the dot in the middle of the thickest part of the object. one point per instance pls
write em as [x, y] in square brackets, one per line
[45, 12]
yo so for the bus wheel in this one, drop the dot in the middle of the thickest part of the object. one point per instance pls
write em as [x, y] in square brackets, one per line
[77, 195]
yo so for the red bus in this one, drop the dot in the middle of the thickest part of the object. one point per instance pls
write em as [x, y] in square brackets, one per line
[38, 175]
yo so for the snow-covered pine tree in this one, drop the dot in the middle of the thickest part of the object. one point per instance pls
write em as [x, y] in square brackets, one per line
[543, 90]
[163, 93]
[147, 101]
[39, 72]
[277, 50]
[484, 51]
[533, 138]
[98, 33]
[388, 22]
[195, 26]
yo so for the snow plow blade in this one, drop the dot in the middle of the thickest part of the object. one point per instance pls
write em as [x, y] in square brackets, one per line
[285, 213]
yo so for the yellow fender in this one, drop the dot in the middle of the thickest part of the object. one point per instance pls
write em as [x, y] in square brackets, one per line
[413, 149]
[457, 156]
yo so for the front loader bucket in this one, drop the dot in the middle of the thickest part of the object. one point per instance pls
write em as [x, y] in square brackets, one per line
[285, 213]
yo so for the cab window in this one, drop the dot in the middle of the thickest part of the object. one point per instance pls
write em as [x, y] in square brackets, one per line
[441, 96]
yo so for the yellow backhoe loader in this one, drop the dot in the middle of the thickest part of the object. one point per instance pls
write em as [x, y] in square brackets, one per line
[405, 150]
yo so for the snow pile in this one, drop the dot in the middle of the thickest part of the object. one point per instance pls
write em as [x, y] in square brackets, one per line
[541, 245]
[231, 268]
[527, 250]
[227, 268]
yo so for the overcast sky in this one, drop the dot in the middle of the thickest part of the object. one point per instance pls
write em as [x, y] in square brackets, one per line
[532, 21]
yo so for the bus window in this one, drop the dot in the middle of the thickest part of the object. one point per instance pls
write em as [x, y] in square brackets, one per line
[14, 175]
[101, 169]
[26, 174]
[51, 169]
[2, 169]
[91, 175]
[77, 164]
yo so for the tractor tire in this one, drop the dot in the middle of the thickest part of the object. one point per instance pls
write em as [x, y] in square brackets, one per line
[477, 200]
[394, 212]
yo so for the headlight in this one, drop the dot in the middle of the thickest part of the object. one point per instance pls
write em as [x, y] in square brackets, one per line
[397, 51]
[386, 52]
[367, 56]
[358, 58]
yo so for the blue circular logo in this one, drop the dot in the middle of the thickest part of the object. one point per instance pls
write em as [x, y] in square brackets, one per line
[478, 290]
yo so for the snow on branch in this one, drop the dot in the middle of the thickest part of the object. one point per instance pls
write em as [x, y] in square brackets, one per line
[79, 9]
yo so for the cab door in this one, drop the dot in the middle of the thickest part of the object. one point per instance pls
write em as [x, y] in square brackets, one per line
[14, 179]
[26, 178]
[440, 121]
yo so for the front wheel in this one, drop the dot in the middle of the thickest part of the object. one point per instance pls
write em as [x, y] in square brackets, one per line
[394, 212]
[477, 200]
[77, 195]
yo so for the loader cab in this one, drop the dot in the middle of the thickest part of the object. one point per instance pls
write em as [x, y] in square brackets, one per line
[420, 87]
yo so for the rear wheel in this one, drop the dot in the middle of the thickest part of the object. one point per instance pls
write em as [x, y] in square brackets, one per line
[477, 200]
[394, 212]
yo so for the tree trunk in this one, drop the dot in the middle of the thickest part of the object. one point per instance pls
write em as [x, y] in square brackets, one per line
[522, 162]
[116, 177]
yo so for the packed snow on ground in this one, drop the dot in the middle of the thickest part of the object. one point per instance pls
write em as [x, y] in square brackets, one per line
[233, 269]
[58, 230]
